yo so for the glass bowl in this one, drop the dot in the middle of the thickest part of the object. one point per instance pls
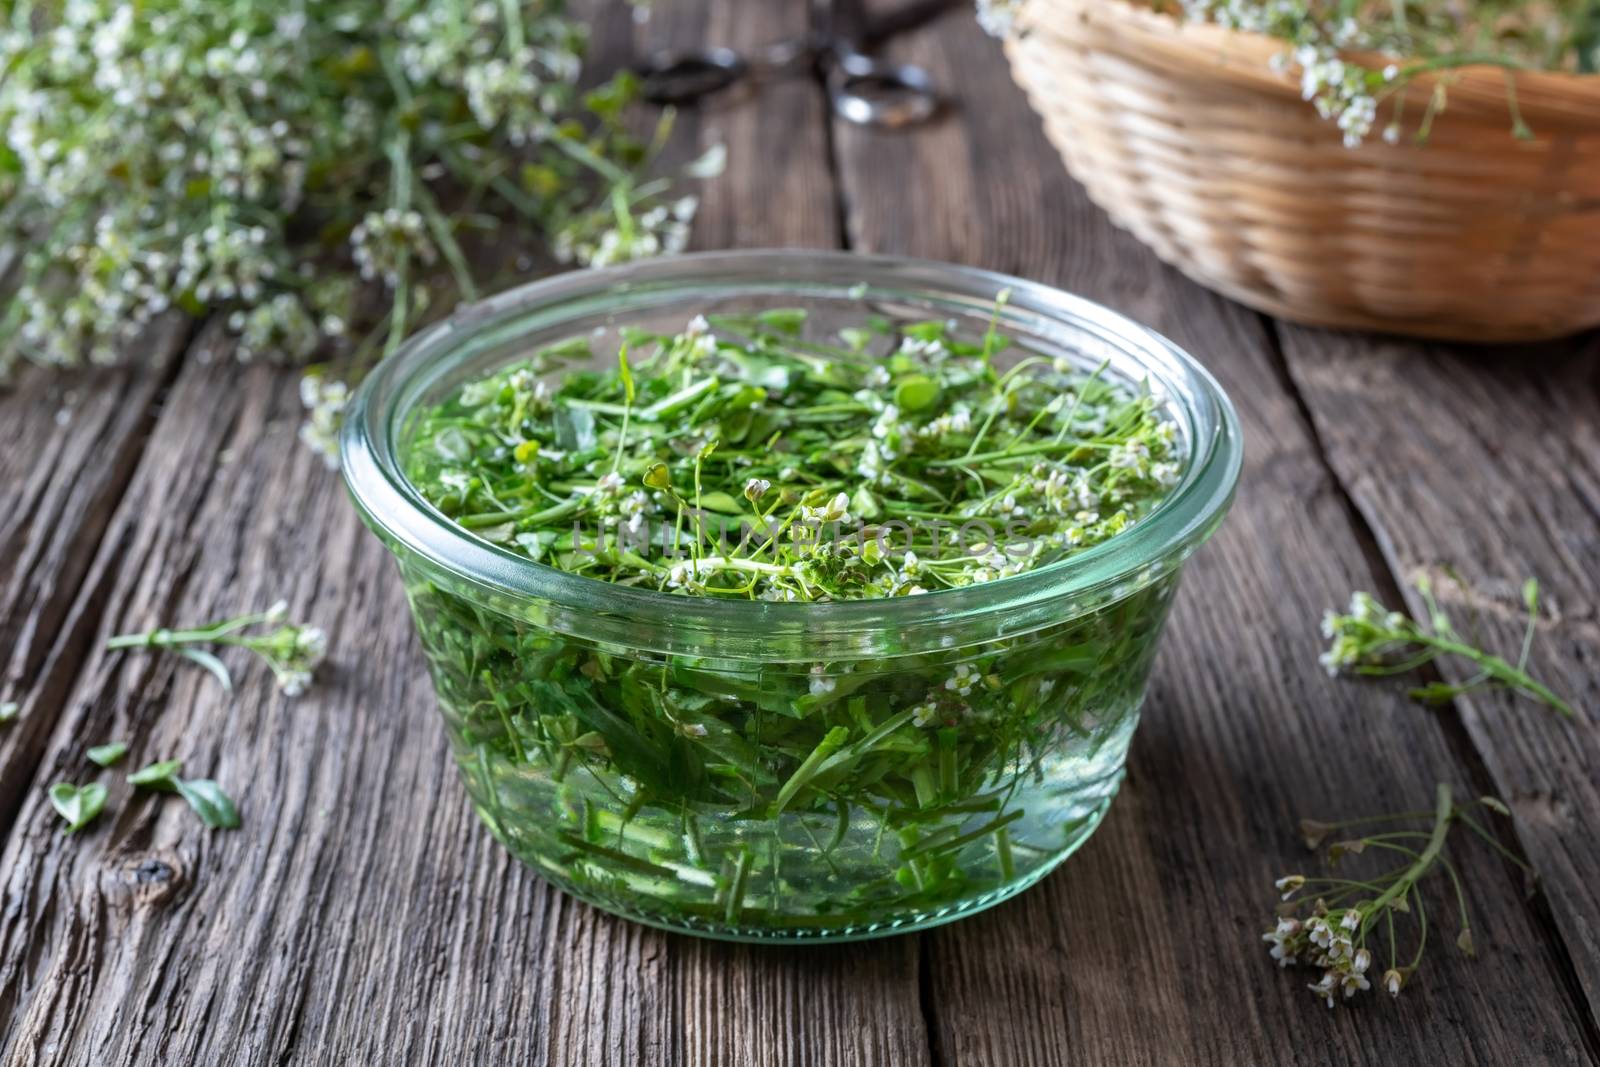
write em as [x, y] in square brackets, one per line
[773, 771]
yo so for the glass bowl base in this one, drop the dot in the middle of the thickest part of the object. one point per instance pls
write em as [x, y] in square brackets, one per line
[822, 929]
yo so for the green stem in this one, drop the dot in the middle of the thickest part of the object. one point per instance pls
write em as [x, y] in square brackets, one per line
[1442, 810]
[1499, 668]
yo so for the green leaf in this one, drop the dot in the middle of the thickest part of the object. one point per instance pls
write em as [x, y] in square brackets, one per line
[108, 754]
[9, 711]
[160, 776]
[784, 320]
[916, 393]
[720, 503]
[78, 804]
[574, 428]
[864, 505]
[209, 802]
[218, 669]
[659, 476]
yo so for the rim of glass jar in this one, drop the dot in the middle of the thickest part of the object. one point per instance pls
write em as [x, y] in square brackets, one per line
[673, 623]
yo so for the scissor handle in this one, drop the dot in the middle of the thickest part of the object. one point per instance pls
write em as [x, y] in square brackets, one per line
[684, 77]
[870, 92]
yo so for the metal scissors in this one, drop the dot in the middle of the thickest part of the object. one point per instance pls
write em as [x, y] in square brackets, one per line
[861, 89]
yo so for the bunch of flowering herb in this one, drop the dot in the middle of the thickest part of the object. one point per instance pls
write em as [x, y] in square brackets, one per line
[1416, 37]
[1348, 927]
[758, 457]
[1371, 640]
[737, 459]
[264, 161]
[292, 650]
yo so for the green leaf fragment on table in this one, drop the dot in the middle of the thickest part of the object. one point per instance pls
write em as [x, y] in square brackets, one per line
[209, 802]
[78, 804]
[9, 711]
[161, 776]
[218, 669]
[108, 754]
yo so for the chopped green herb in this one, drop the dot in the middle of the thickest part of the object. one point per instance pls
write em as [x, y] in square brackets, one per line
[161, 776]
[209, 802]
[78, 804]
[954, 472]
[107, 755]
[745, 459]
[202, 794]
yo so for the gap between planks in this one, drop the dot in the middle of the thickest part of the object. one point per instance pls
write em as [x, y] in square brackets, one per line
[1391, 590]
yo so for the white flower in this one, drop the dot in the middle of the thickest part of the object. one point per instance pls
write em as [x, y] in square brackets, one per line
[963, 680]
[835, 510]
[312, 644]
[1130, 455]
[756, 488]
[821, 684]
[1326, 987]
[1355, 980]
[293, 683]
[1279, 939]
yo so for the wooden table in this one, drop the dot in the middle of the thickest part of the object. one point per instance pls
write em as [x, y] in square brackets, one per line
[363, 915]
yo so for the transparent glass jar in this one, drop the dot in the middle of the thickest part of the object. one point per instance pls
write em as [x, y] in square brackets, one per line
[787, 771]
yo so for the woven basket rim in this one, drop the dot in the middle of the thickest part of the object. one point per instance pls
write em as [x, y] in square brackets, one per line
[1546, 98]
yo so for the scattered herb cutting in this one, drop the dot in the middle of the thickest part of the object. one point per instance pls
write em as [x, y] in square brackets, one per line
[1349, 926]
[79, 805]
[292, 651]
[207, 799]
[1419, 37]
[745, 459]
[1371, 640]
[108, 755]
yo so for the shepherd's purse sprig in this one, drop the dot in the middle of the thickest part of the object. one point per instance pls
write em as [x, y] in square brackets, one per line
[292, 650]
[1348, 927]
[1369, 639]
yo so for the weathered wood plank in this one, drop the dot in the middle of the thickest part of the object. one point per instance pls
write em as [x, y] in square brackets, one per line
[1488, 462]
[362, 914]
[68, 446]
[1144, 948]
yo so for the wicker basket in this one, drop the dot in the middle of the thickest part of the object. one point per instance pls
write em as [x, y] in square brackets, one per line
[1185, 134]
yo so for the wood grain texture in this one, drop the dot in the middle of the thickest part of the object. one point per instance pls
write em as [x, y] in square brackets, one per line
[1488, 463]
[363, 914]
[69, 443]
[1146, 944]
